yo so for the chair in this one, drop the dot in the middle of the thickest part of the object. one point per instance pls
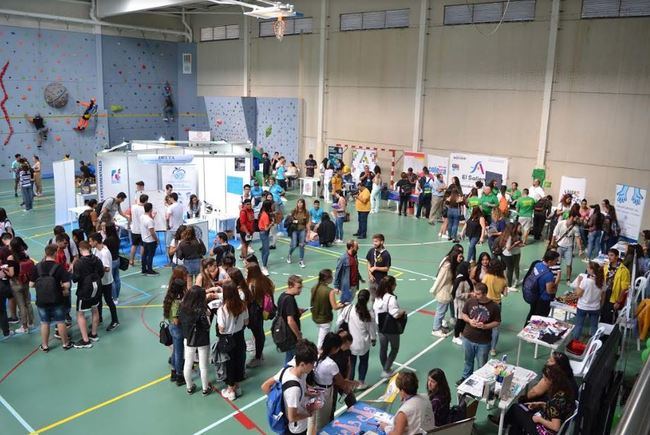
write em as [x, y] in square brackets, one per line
[462, 427]
[600, 331]
[580, 368]
[568, 425]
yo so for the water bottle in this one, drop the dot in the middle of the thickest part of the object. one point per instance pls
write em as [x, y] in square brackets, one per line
[504, 359]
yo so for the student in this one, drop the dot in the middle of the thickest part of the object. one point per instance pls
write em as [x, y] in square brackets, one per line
[481, 315]
[102, 252]
[362, 204]
[315, 216]
[19, 261]
[479, 270]
[595, 231]
[171, 307]
[323, 303]
[5, 223]
[52, 284]
[299, 219]
[513, 194]
[264, 224]
[173, 214]
[565, 235]
[262, 290]
[589, 289]
[454, 204]
[379, 262]
[497, 285]
[462, 291]
[15, 168]
[288, 309]
[137, 210]
[510, 244]
[415, 414]
[281, 173]
[489, 202]
[292, 173]
[87, 272]
[232, 318]
[363, 329]
[326, 231]
[439, 396]
[339, 207]
[196, 331]
[246, 226]
[221, 247]
[26, 180]
[547, 284]
[347, 276]
[8, 269]
[328, 182]
[442, 289]
[386, 302]
[149, 240]
[112, 242]
[525, 208]
[475, 230]
[404, 189]
[169, 189]
[375, 194]
[617, 284]
[266, 166]
[194, 207]
[111, 207]
[191, 250]
[310, 166]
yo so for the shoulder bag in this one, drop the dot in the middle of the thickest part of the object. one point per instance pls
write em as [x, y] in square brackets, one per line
[390, 325]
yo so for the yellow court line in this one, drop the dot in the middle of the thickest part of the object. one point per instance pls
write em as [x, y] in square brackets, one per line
[101, 405]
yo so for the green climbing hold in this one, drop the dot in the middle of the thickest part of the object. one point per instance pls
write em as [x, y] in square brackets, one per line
[269, 130]
[116, 108]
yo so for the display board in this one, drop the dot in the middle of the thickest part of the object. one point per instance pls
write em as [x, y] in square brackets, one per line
[334, 153]
[630, 202]
[112, 175]
[577, 187]
[360, 158]
[64, 190]
[415, 161]
[183, 178]
[438, 165]
[470, 168]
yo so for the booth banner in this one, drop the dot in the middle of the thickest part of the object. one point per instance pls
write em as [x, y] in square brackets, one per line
[334, 153]
[630, 202]
[183, 178]
[361, 158]
[416, 161]
[198, 136]
[470, 168]
[577, 187]
[438, 165]
[64, 190]
[112, 176]
[165, 158]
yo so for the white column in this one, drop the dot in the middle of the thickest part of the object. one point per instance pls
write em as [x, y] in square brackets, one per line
[322, 69]
[419, 80]
[549, 75]
[247, 71]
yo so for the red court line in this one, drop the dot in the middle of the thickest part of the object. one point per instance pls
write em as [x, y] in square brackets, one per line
[429, 312]
[242, 417]
[19, 364]
[142, 317]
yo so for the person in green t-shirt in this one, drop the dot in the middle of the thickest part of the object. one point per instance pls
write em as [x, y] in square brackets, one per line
[525, 208]
[489, 201]
[514, 193]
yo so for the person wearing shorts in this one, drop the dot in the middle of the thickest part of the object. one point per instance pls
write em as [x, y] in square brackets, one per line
[137, 210]
[525, 208]
[87, 272]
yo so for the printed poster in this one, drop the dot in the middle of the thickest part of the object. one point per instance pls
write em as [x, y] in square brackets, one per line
[438, 165]
[183, 178]
[470, 168]
[630, 201]
[577, 187]
[334, 153]
[361, 158]
[413, 160]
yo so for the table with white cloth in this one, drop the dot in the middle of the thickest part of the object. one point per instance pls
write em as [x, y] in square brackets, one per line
[473, 385]
[221, 222]
[538, 325]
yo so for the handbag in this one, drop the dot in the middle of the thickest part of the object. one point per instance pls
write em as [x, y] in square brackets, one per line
[226, 343]
[344, 326]
[165, 335]
[390, 325]
[124, 263]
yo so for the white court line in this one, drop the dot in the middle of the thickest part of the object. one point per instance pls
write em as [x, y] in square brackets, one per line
[397, 245]
[16, 415]
[262, 398]
[404, 366]
[35, 228]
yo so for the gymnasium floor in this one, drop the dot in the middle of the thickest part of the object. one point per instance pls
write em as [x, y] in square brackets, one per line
[121, 385]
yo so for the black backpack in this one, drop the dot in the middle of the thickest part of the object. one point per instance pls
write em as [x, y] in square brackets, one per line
[282, 335]
[85, 222]
[46, 285]
[99, 207]
[90, 283]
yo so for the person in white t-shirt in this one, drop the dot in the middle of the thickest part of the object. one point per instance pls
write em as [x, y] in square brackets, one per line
[565, 235]
[386, 302]
[232, 318]
[415, 415]
[149, 240]
[535, 191]
[589, 288]
[137, 210]
[102, 252]
[174, 215]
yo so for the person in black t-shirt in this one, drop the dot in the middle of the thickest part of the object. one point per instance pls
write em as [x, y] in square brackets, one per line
[378, 264]
[310, 166]
[221, 248]
[288, 308]
[50, 298]
[87, 271]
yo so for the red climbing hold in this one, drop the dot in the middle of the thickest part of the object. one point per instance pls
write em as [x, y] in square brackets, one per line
[3, 101]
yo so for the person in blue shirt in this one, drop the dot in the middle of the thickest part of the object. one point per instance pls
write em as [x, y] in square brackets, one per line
[256, 192]
[280, 173]
[315, 217]
[278, 193]
[547, 284]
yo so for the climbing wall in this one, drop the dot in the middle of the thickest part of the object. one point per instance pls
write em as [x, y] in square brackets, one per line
[191, 108]
[36, 58]
[269, 123]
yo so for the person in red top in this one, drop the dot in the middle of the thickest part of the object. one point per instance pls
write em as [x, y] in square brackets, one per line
[346, 277]
[264, 223]
[245, 229]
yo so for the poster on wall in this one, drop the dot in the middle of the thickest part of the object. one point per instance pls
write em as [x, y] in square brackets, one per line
[416, 161]
[240, 164]
[334, 153]
[577, 187]
[361, 158]
[438, 165]
[183, 178]
[630, 201]
[112, 176]
[470, 168]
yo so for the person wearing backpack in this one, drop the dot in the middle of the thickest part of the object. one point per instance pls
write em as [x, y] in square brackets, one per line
[545, 285]
[404, 189]
[52, 284]
[288, 404]
[22, 268]
[289, 312]
[260, 309]
[88, 219]
[87, 273]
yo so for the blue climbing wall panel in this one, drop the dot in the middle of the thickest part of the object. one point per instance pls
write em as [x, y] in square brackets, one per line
[191, 108]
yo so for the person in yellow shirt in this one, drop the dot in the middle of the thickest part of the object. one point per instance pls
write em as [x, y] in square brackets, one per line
[362, 203]
[337, 182]
[495, 280]
[617, 284]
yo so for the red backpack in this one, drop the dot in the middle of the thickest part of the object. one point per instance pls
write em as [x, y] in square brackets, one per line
[26, 270]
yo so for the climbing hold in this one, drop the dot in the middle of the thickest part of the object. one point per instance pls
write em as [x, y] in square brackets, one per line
[116, 108]
[56, 95]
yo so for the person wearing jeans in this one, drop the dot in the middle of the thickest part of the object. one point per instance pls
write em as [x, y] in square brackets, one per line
[386, 302]
[196, 330]
[26, 186]
[475, 230]
[481, 316]
[264, 223]
[362, 204]
[299, 220]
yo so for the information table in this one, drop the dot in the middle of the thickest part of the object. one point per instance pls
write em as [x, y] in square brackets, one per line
[536, 327]
[359, 418]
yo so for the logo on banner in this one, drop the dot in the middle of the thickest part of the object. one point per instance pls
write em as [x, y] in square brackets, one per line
[623, 192]
[178, 174]
[455, 166]
[478, 166]
[116, 176]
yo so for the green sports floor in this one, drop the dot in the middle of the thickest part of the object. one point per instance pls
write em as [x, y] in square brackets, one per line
[121, 385]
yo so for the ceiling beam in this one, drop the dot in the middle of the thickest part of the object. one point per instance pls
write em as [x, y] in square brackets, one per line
[110, 8]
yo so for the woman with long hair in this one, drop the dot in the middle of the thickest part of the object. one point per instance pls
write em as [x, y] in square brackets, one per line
[173, 245]
[462, 291]
[375, 193]
[439, 395]
[475, 230]
[363, 329]
[299, 220]
[194, 207]
[178, 272]
[496, 228]
[589, 288]
[191, 250]
[261, 288]
[495, 280]
[386, 302]
[595, 231]
[454, 203]
[611, 230]
[112, 242]
[442, 290]
[19, 285]
[232, 318]
[5, 223]
[195, 323]
[585, 212]
[171, 306]
[209, 274]
[510, 244]
[478, 271]
[264, 223]
[323, 303]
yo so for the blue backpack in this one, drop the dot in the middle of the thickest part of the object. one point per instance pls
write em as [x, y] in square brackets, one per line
[530, 288]
[275, 412]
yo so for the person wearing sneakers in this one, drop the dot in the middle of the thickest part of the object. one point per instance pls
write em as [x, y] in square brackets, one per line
[288, 309]
[195, 323]
[149, 240]
[386, 302]
[442, 289]
[52, 284]
[462, 291]
[102, 252]
[299, 219]
[378, 259]
[346, 276]
[137, 210]
[232, 318]
[495, 280]
[525, 208]
[22, 265]
[87, 272]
